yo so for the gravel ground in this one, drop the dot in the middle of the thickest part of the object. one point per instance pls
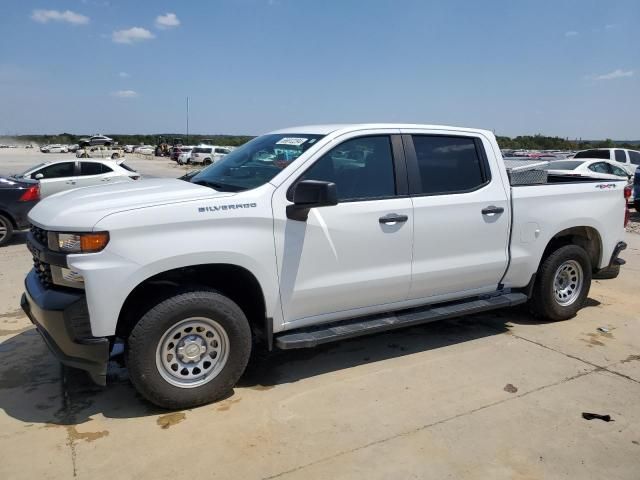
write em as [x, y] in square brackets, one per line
[634, 222]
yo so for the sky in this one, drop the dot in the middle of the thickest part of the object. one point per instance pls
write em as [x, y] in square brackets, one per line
[569, 68]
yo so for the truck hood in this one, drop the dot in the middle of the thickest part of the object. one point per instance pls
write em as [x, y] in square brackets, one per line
[82, 208]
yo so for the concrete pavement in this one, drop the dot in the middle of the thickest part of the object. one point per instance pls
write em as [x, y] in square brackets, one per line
[497, 395]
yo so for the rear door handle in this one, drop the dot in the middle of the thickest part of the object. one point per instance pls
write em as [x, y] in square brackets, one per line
[71, 182]
[492, 210]
[393, 218]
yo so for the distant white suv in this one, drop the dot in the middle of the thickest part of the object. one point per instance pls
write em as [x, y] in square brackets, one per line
[62, 175]
[208, 154]
[630, 158]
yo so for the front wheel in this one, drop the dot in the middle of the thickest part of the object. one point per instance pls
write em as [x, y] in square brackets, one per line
[189, 349]
[562, 284]
[6, 230]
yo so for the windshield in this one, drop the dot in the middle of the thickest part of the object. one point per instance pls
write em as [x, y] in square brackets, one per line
[256, 162]
[564, 165]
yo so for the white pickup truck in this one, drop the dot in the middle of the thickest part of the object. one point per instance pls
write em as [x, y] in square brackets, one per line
[305, 236]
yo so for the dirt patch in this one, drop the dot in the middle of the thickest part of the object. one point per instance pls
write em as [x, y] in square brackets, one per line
[15, 314]
[75, 435]
[510, 388]
[15, 332]
[226, 405]
[171, 419]
[631, 358]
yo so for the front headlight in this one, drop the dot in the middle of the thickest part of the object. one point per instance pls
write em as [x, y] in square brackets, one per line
[78, 242]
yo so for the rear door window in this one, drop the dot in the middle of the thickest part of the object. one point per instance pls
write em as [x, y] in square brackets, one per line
[93, 168]
[634, 157]
[620, 156]
[600, 167]
[618, 171]
[449, 164]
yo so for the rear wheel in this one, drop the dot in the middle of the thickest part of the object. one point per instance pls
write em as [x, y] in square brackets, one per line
[189, 349]
[207, 161]
[6, 230]
[562, 284]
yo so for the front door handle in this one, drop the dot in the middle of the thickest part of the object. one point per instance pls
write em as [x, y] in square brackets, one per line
[393, 218]
[71, 182]
[492, 210]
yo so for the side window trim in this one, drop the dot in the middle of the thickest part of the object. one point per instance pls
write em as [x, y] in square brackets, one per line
[413, 170]
[399, 168]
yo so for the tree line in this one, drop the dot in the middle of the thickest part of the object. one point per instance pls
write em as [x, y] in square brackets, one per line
[528, 142]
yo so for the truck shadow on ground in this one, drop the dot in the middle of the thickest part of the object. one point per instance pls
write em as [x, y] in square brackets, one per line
[36, 389]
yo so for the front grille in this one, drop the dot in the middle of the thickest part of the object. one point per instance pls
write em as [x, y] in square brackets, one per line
[40, 235]
[43, 269]
[44, 272]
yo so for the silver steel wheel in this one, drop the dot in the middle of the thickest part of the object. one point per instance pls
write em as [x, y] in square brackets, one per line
[192, 352]
[3, 230]
[567, 283]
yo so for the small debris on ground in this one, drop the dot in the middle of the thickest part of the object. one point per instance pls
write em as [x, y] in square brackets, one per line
[603, 329]
[510, 388]
[597, 416]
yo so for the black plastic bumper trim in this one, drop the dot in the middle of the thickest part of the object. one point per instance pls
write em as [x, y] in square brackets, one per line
[613, 269]
[42, 252]
[53, 313]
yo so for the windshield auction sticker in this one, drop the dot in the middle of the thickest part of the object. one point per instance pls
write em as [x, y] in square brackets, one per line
[294, 141]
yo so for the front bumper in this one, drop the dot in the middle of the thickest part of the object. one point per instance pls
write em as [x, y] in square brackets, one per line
[62, 319]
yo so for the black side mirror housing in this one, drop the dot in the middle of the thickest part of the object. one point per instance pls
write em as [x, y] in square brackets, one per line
[309, 194]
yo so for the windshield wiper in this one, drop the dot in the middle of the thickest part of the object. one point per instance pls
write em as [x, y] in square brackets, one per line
[223, 187]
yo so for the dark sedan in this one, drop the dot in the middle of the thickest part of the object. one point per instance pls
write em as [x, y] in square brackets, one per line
[17, 197]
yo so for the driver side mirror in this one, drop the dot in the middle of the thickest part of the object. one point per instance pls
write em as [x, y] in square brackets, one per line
[38, 176]
[309, 194]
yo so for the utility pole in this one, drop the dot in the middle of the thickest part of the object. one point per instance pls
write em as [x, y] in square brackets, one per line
[187, 141]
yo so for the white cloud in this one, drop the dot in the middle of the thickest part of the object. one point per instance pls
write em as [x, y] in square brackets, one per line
[123, 75]
[610, 26]
[46, 16]
[133, 34]
[571, 33]
[125, 94]
[615, 74]
[168, 20]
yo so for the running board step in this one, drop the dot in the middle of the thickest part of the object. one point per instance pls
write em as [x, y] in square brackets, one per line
[311, 337]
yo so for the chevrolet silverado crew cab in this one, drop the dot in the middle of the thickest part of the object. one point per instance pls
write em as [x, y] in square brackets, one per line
[306, 236]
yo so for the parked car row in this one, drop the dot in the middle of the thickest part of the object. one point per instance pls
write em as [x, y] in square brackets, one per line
[202, 154]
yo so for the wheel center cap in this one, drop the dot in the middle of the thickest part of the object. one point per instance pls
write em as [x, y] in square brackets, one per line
[192, 350]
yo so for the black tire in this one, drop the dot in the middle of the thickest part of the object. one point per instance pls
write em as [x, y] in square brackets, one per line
[145, 337]
[115, 156]
[6, 230]
[636, 204]
[207, 161]
[543, 303]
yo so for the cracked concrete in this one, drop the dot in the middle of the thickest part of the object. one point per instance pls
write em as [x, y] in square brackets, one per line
[497, 395]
